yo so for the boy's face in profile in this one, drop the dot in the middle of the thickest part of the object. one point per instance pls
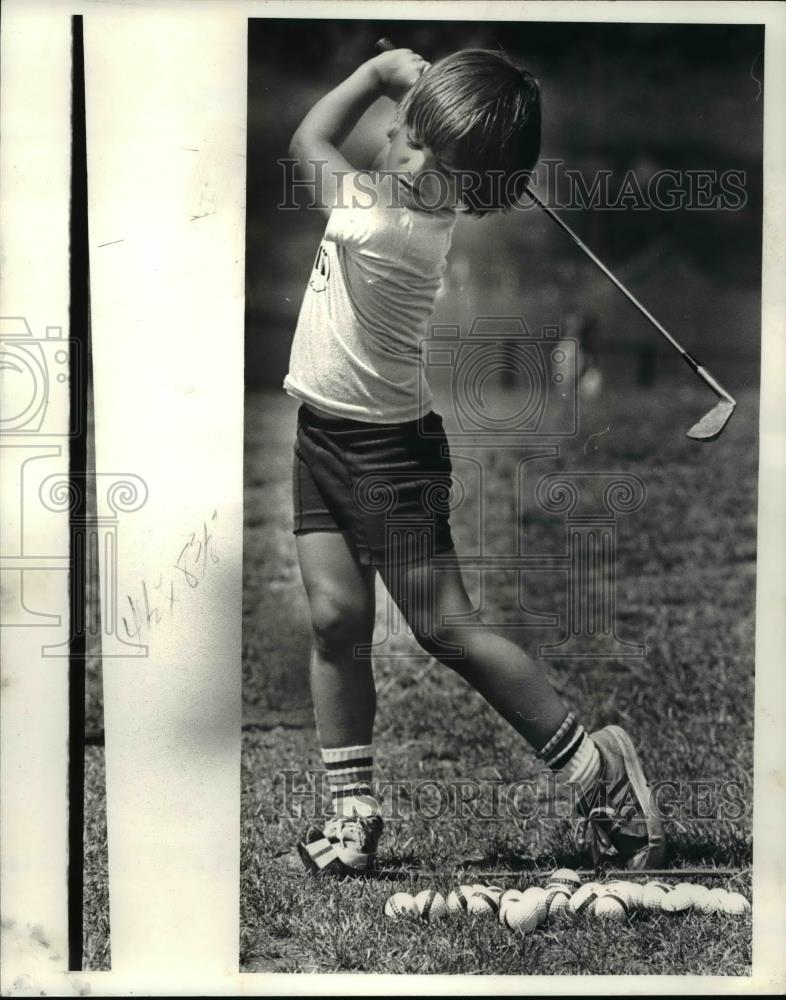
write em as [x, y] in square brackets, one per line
[421, 172]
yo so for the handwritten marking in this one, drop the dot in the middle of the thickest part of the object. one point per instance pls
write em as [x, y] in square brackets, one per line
[110, 244]
[156, 601]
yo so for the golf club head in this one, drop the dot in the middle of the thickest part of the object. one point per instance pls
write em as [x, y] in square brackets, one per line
[711, 424]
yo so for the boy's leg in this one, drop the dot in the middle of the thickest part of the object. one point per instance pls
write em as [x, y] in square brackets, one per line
[603, 768]
[431, 596]
[341, 600]
[340, 593]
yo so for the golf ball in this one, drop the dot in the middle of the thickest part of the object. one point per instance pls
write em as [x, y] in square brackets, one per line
[557, 900]
[483, 903]
[511, 896]
[697, 894]
[521, 915]
[735, 903]
[652, 896]
[627, 891]
[431, 905]
[584, 898]
[399, 905]
[537, 899]
[713, 901]
[609, 906]
[458, 900]
[565, 877]
[635, 893]
[492, 890]
[702, 900]
[679, 899]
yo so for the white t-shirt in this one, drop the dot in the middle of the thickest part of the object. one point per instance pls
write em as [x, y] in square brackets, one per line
[356, 351]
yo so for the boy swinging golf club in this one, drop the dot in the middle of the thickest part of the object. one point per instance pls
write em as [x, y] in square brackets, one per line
[366, 417]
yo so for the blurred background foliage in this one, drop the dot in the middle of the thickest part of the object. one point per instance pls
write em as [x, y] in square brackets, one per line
[617, 97]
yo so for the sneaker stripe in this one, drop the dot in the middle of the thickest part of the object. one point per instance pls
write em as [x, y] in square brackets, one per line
[635, 832]
[345, 779]
[321, 853]
[320, 848]
[617, 788]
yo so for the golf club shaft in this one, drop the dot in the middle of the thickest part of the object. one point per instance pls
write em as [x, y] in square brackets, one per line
[688, 357]
[533, 873]
[385, 45]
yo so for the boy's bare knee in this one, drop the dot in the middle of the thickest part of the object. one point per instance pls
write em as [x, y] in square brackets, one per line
[339, 622]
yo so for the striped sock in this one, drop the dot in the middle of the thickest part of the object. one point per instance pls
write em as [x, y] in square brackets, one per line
[572, 752]
[349, 774]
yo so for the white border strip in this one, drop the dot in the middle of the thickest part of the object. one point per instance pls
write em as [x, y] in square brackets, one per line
[166, 130]
[35, 151]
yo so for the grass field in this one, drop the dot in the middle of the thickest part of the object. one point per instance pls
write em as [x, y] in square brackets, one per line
[686, 579]
[686, 568]
[685, 589]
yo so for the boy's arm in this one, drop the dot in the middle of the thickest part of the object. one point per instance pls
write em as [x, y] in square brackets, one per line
[332, 118]
[378, 162]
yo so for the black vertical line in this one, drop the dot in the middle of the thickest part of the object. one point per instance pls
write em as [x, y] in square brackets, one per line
[78, 318]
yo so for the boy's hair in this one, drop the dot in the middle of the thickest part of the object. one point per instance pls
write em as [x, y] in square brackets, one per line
[484, 111]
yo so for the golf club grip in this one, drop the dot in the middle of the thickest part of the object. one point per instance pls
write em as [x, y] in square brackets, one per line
[384, 45]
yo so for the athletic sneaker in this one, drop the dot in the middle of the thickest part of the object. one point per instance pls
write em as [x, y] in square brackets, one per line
[346, 847]
[619, 823]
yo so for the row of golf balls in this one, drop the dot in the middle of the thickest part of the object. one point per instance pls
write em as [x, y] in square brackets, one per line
[564, 896]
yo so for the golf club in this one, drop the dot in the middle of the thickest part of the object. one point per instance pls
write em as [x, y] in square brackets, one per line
[712, 423]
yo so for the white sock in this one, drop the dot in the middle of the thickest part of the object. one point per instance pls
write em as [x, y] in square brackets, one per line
[573, 755]
[349, 772]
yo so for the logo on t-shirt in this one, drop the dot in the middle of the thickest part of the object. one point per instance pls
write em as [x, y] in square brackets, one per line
[321, 271]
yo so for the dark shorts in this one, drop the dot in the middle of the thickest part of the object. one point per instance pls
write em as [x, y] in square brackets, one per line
[385, 486]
